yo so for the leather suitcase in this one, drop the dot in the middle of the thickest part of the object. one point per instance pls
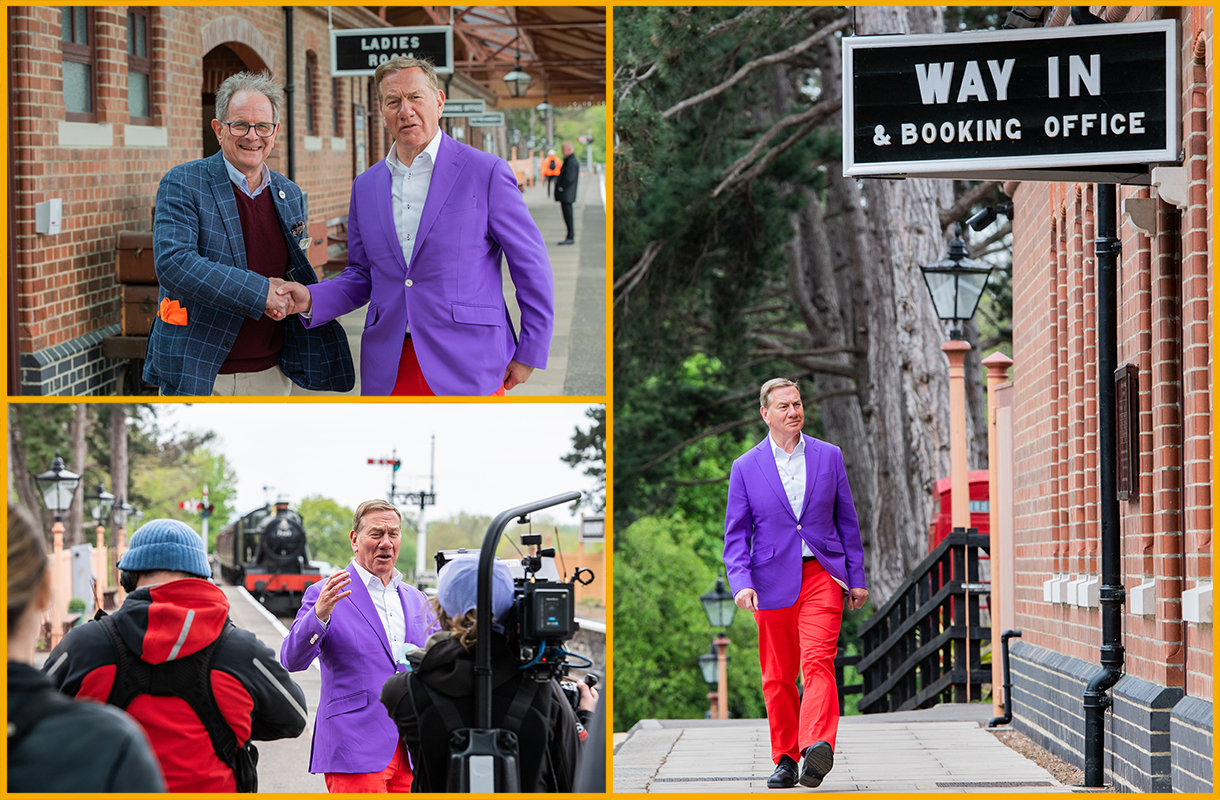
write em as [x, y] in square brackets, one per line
[139, 308]
[134, 263]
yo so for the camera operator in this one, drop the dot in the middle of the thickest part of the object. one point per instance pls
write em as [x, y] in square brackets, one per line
[549, 735]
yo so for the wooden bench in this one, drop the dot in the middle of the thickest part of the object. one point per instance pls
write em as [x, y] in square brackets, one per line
[336, 243]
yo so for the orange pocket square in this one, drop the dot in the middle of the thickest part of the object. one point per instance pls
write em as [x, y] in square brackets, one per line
[171, 312]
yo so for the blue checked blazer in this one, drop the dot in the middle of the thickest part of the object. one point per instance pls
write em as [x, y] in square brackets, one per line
[200, 257]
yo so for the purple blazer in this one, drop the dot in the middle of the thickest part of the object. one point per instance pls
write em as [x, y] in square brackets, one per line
[352, 732]
[762, 537]
[452, 291]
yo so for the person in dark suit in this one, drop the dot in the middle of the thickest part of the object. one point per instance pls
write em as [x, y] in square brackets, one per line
[565, 189]
[793, 555]
[227, 232]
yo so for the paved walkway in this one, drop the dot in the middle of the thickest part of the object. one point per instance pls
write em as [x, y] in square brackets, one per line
[576, 364]
[942, 749]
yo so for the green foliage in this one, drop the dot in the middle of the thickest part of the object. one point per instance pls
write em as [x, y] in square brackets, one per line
[589, 448]
[660, 628]
[177, 470]
[570, 124]
[327, 526]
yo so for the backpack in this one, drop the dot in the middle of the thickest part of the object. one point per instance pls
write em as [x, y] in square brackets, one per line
[483, 760]
[189, 679]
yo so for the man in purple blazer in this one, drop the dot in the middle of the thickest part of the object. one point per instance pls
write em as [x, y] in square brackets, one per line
[426, 232]
[792, 551]
[359, 624]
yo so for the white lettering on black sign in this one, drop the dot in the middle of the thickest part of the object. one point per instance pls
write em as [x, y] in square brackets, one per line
[1051, 93]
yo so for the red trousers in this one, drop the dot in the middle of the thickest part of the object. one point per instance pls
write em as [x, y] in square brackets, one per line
[804, 635]
[394, 778]
[410, 381]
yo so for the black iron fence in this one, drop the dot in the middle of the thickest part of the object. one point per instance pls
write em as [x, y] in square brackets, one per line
[924, 646]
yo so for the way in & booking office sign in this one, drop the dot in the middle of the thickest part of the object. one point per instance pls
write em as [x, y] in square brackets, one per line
[995, 102]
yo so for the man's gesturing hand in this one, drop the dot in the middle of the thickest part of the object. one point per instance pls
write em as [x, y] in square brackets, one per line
[746, 600]
[297, 297]
[332, 592]
[856, 599]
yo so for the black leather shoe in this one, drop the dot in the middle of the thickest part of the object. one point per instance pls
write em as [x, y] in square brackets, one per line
[819, 760]
[568, 241]
[784, 776]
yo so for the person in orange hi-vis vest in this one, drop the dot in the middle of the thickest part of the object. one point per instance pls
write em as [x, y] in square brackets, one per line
[550, 169]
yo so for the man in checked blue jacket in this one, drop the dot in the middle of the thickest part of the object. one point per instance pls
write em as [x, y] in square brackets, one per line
[227, 233]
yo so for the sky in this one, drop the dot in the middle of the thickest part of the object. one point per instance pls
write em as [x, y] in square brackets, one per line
[489, 457]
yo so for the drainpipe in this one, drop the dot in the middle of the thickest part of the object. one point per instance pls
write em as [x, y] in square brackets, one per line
[1111, 591]
[289, 89]
[1007, 718]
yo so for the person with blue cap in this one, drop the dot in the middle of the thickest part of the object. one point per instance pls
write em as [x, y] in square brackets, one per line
[173, 632]
[549, 733]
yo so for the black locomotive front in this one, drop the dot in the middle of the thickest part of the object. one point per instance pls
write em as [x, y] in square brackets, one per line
[267, 552]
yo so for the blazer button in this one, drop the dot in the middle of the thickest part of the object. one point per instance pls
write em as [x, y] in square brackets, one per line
[313, 638]
[282, 195]
[226, 344]
[409, 282]
[798, 527]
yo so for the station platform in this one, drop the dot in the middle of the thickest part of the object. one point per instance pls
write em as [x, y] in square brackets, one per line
[941, 749]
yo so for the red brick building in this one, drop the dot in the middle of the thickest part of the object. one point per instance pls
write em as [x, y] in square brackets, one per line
[104, 100]
[1158, 731]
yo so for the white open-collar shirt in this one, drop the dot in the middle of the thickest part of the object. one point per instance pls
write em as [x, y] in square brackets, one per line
[792, 475]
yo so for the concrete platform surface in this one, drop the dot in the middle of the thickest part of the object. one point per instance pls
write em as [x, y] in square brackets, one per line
[943, 749]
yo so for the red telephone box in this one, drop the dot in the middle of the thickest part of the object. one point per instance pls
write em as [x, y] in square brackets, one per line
[980, 508]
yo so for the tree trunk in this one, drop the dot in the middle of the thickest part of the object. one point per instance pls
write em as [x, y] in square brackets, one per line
[906, 395]
[73, 525]
[19, 469]
[118, 456]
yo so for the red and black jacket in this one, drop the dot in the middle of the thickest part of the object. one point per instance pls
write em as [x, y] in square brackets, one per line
[169, 621]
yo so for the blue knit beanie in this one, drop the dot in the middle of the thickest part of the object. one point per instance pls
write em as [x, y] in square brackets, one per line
[166, 544]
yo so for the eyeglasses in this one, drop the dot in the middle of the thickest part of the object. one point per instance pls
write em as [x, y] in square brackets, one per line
[263, 129]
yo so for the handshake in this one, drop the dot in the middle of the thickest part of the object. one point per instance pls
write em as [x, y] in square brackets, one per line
[287, 297]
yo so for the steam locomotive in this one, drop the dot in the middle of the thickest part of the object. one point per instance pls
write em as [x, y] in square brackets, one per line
[266, 552]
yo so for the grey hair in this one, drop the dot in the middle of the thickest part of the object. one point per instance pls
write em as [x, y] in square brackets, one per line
[262, 83]
[764, 395]
[400, 63]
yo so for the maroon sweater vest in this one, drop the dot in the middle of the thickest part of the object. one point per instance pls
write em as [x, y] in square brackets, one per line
[257, 346]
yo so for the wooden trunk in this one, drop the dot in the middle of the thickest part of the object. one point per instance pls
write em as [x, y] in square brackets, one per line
[139, 308]
[135, 257]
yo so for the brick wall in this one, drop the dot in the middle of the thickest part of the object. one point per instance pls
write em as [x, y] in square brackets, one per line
[107, 173]
[1164, 312]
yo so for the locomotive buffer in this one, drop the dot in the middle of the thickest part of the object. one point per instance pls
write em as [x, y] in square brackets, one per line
[420, 500]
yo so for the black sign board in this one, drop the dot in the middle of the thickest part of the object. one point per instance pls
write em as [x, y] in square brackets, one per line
[1127, 403]
[360, 51]
[992, 103]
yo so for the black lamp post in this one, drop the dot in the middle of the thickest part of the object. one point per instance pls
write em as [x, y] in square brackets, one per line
[709, 665]
[956, 284]
[58, 488]
[100, 503]
[719, 606]
[518, 82]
